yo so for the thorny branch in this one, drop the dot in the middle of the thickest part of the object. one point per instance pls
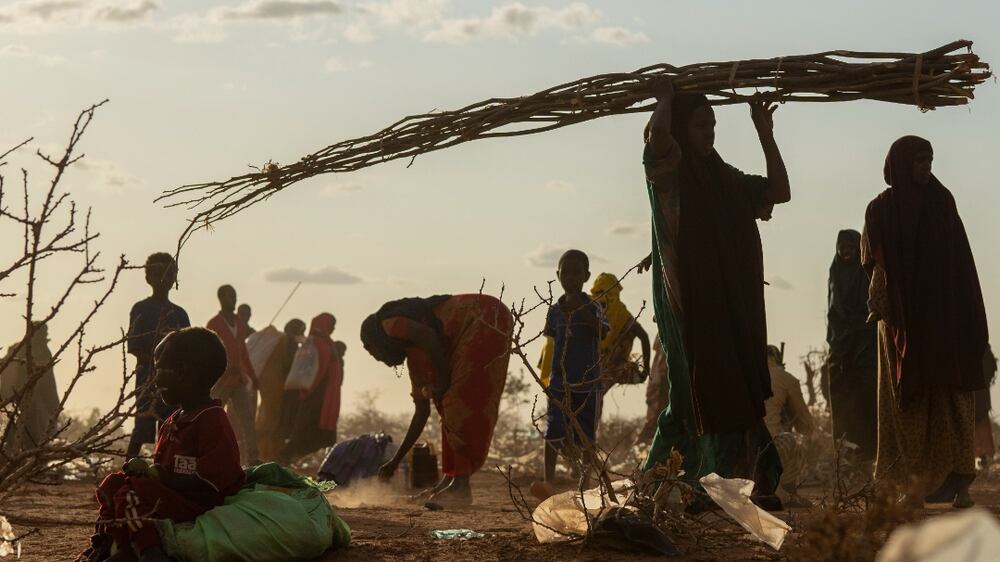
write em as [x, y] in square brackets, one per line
[51, 232]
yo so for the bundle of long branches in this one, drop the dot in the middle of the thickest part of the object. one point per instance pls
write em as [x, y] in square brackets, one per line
[945, 76]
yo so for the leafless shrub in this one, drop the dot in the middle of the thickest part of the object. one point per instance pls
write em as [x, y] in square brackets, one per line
[54, 230]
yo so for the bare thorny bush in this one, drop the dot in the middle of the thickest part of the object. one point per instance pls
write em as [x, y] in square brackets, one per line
[53, 233]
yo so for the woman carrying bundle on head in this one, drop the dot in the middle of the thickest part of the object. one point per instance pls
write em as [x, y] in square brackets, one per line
[708, 293]
[932, 334]
[456, 349]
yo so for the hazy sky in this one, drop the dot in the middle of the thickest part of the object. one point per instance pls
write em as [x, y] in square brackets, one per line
[200, 89]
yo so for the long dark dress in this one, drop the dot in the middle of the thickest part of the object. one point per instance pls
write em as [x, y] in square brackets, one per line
[932, 326]
[708, 296]
[853, 352]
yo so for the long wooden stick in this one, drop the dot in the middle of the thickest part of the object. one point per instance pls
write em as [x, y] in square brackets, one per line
[284, 304]
[946, 76]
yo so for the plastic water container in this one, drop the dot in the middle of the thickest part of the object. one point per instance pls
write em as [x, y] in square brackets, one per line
[423, 466]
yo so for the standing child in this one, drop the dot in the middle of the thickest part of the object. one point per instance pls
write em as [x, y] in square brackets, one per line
[232, 386]
[150, 320]
[576, 324]
[196, 461]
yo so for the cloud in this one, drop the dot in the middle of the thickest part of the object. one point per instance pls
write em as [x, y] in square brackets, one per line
[335, 65]
[781, 283]
[47, 9]
[127, 14]
[560, 186]
[512, 21]
[52, 15]
[340, 189]
[21, 52]
[276, 10]
[627, 229]
[107, 177]
[548, 256]
[328, 275]
[618, 36]
[406, 13]
[193, 29]
[358, 33]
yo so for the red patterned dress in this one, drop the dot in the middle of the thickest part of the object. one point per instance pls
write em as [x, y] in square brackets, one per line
[476, 336]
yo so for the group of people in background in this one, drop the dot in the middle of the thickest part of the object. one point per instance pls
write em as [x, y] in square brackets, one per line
[270, 422]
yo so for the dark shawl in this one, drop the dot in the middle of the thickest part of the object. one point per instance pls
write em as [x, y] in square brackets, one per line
[847, 331]
[938, 320]
[418, 309]
[721, 275]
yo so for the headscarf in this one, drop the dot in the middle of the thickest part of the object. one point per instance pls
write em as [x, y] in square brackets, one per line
[607, 292]
[938, 319]
[847, 300]
[393, 350]
[721, 273]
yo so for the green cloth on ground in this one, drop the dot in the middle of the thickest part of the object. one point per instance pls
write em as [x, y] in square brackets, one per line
[723, 453]
[277, 516]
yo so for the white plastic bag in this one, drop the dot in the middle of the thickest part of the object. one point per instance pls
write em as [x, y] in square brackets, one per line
[7, 537]
[970, 536]
[561, 517]
[305, 367]
[261, 346]
[733, 496]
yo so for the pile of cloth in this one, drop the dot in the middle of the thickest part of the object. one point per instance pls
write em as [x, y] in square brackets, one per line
[277, 516]
[356, 459]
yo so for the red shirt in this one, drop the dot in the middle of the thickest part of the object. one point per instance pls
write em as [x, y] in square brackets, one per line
[239, 369]
[202, 443]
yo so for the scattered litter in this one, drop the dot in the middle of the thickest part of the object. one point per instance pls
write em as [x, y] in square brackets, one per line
[970, 536]
[7, 538]
[733, 496]
[457, 534]
[561, 518]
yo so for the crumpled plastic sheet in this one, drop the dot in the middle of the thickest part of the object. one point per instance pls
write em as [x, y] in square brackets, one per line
[969, 536]
[733, 496]
[457, 534]
[7, 537]
[561, 518]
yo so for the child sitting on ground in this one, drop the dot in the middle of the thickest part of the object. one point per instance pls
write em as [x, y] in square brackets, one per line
[196, 460]
[577, 324]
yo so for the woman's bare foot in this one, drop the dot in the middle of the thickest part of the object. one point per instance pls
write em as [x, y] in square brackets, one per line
[423, 495]
[457, 494]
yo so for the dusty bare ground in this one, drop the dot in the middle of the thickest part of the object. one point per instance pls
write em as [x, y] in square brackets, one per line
[64, 514]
